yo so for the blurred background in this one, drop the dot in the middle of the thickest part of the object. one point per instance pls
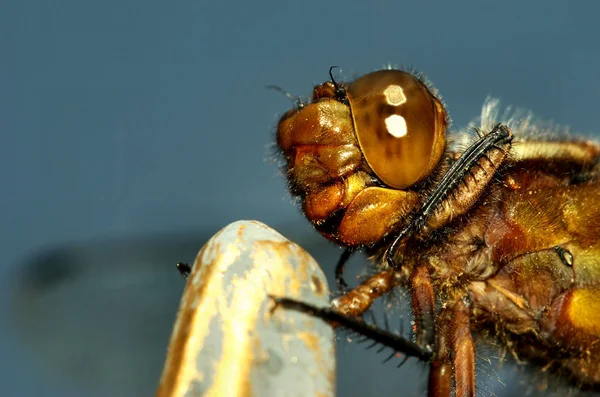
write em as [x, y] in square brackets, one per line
[131, 131]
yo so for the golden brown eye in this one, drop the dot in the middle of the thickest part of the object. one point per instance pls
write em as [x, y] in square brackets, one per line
[400, 126]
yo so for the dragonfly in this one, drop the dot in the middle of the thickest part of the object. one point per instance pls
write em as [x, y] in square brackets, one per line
[492, 230]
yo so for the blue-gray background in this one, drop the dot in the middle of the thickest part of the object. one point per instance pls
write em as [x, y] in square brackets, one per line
[133, 130]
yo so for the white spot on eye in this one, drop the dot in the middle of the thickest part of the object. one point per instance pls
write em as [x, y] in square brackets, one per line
[394, 95]
[396, 125]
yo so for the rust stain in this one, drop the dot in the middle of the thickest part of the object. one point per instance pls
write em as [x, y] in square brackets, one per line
[173, 367]
[310, 340]
[198, 308]
[317, 285]
[241, 231]
[275, 257]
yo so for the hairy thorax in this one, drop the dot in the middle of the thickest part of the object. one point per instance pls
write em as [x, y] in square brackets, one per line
[527, 259]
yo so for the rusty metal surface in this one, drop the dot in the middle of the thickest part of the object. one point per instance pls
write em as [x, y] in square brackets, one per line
[227, 339]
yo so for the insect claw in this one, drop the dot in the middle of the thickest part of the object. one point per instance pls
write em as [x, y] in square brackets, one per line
[184, 269]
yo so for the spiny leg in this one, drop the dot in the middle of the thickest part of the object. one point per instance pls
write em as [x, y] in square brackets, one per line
[385, 338]
[454, 195]
[346, 308]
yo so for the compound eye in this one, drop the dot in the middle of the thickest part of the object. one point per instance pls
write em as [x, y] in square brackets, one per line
[400, 126]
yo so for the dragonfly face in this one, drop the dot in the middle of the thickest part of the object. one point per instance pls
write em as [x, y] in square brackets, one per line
[501, 237]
